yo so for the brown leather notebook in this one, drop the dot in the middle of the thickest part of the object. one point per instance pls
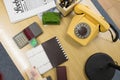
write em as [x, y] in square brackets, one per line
[54, 51]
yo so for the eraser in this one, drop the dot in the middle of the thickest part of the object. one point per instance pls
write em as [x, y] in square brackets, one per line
[33, 42]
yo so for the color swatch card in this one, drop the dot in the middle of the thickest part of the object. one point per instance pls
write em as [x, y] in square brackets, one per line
[48, 55]
[23, 37]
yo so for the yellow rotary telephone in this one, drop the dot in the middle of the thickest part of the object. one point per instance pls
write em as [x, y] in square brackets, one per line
[86, 25]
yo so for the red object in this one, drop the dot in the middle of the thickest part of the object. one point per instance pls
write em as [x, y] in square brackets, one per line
[1, 77]
[28, 33]
[61, 73]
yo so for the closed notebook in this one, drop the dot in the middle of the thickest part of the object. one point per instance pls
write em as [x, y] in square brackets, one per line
[47, 55]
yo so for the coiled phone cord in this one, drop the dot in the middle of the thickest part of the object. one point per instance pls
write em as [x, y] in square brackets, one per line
[116, 33]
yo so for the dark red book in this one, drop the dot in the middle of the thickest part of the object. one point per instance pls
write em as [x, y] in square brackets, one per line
[61, 73]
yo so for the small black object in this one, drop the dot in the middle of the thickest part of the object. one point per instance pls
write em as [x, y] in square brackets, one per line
[100, 66]
[65, 3]
[49, 78]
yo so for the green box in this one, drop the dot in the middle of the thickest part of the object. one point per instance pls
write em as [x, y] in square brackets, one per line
[51, 18]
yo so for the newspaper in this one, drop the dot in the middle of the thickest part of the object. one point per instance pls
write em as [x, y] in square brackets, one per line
[22, 9]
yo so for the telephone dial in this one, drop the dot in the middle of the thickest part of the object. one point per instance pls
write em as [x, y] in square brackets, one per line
[86, 25]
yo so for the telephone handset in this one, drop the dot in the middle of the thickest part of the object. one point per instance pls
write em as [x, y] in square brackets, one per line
[81, 9]
[86, 25]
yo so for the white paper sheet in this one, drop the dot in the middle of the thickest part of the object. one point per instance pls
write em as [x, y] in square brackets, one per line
[38, 58]
[22, 9]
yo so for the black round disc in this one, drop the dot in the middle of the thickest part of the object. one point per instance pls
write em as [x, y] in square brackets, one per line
[96, 67]
[82, 30]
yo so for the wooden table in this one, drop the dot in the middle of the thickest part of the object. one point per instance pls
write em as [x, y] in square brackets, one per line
[77, 54]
